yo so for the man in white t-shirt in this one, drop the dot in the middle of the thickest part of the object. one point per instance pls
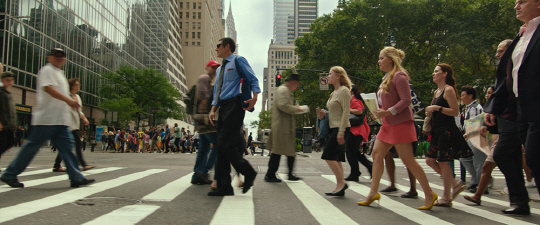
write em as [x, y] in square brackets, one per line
[50, 121]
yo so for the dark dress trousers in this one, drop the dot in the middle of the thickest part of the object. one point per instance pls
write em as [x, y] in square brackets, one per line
[507, 152]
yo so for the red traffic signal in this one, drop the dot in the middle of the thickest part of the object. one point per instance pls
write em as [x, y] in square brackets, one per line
[278, 76]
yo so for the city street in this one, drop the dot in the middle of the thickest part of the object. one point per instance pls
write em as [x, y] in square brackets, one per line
[154, 188]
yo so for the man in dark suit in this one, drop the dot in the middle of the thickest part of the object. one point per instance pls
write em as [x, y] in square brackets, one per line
[516, 98]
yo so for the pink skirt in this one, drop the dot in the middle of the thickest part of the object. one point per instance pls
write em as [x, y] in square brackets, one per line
[397, 134]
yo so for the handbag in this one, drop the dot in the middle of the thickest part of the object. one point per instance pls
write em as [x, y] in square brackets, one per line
[357, 120]
[428, 125]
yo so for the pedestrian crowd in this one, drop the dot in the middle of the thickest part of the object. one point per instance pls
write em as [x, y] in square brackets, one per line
[504, 132]
[152, 141]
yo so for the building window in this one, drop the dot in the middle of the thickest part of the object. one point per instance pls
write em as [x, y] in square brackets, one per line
[193, 25]
[199, 25]
[199, 5]
[199, 15]
[198, 43]
[193, 36]
[187, 15]
[199, 35]
[187, 35]
[187, 25]
[186, 43]
[187, 5]
[181, 5]
[180, 15]
[195, 6]
[194, 15]
[180, 25]
[192, 43]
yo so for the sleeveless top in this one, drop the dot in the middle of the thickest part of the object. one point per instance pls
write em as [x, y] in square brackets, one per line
[440, 119]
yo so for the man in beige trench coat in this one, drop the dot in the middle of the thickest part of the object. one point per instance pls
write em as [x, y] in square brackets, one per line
[281, 141]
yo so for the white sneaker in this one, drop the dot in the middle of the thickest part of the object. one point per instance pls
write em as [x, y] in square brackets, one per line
[505, 190]
[530, 184]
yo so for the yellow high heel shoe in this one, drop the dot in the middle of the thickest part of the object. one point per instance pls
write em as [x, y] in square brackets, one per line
[432, 202]
[375, 197]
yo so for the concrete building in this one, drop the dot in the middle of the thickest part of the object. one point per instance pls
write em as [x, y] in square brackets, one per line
[292, 19]
[280, 56]
[97, 35]
[201, 28]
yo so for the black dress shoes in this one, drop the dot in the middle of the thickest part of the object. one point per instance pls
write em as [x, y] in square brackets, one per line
[294, 178]
[518, 211]
[389, 190]
[349, 178]
[221, 192]
[248, 181]
[14, 183]
[272, 179]
[82, 182]
[201, 182]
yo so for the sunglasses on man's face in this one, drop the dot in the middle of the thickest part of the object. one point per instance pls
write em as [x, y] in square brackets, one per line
[219, 45]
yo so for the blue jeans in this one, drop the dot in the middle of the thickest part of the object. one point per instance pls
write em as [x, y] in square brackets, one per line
[206, 156]
[63, 141]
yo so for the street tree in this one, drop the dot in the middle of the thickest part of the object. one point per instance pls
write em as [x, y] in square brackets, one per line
[140, 94]
[462, 33]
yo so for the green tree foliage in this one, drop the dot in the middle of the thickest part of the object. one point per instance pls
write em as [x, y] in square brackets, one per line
[265, 120]
[138, 94]
[462, 33]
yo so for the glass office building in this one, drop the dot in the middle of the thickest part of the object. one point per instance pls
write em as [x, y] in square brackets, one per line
[97, 35]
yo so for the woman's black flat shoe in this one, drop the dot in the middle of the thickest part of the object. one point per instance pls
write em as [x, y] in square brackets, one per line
[339, 193]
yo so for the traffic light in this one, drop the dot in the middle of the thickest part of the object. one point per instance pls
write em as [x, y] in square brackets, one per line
[278, 80]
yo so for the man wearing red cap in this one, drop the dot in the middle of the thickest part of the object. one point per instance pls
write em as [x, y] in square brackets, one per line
[207, 132]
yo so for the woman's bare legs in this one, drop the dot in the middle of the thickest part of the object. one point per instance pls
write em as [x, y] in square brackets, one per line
[337, 169]
[405, 152]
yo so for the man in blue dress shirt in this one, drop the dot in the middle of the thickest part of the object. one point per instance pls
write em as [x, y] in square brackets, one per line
[227, 96]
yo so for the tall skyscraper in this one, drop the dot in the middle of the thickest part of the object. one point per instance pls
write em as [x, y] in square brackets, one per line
[231, 29]
[305, 12]
[284, 21]
[292, 19]
[201, 26]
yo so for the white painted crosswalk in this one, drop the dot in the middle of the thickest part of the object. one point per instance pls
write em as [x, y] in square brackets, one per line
[157, 199]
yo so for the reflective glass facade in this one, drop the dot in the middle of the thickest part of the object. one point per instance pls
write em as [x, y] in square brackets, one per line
[98, 36]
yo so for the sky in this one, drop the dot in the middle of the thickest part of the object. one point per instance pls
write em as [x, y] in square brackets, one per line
[253, 22]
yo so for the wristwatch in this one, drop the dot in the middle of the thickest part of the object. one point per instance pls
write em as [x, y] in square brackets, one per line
[440, 109]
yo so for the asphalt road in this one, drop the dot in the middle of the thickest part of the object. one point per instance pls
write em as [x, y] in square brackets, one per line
[154, 188]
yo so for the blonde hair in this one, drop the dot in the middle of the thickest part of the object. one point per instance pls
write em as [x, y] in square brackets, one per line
[344, 78]
[397, 56]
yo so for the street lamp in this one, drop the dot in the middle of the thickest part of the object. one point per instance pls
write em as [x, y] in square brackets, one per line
[390, 40]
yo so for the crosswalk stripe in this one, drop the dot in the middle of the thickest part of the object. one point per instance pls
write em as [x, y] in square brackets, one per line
[63, 177]
[320, 208]
[465, 208]
[23, 209]
[35, 172]
[227, 212]
[413, 214]
[127, 215]
[170, 191]
[486, 199]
